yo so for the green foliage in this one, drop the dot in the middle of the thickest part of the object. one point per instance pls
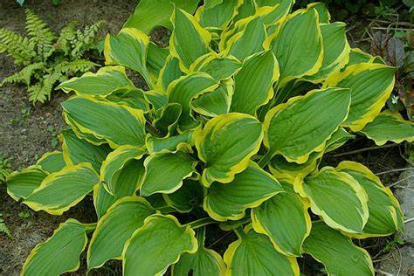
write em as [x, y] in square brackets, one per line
[47, 58]
[3, 227]
[230, 135]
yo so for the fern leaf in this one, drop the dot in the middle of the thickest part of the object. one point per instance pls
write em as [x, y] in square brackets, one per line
[67, 34]
[41, 91]
[3, 227]
[86, 40]
[20, 48]
[25, 74]
[76, 66]
[40, 34]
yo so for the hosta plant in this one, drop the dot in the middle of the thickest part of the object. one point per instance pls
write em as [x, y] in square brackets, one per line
[229, 135]
[48, 58]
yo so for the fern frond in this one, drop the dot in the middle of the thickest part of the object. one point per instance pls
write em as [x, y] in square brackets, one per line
[86, 40]
[25, 74]
[40, 33]
[20, 48]
[41, 91]
[76, 66]
[67, 34]
[3, 227]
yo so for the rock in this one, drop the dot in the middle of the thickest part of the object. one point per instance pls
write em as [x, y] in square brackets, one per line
[405, 195]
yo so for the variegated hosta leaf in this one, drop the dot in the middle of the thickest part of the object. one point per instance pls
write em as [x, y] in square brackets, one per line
[203, 262]
[118, 124]
[254, 83]
[226, 145]
[52, 161]
[249, 189]
[189, 196]
[285, 219]
[76, 150]
[385, 214]
[167, 117]
[22, 184]
[112, 166]
[182, 142]
[102, 200]
[220, 68]
[216, 102]
[246, 9]
[134, 98]
[129, 49]
[298, 46]
[189, 40]
[371, 85]
[169, 73]
[336, 50]
[144, 18]
[389, 126]
[102, 83]
[152, 249]
[336, 252]
[324, 16]
[156, 59]
[337, 198]
[60, 253]
[115, 228]
[253, 254]
[61, 190]
[184, 90]
[305, 123]
[248, 41]
[165, 172]
[274, 10]
[358, 56]
[216, 14]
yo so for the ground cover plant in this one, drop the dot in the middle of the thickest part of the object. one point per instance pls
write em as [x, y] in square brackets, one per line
[231, 132]
[48, 58]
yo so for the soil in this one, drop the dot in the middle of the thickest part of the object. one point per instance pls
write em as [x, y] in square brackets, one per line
[28, 131]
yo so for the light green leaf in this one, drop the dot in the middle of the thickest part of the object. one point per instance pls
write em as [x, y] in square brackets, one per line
[298, 46]
[165, 172]
[371, 85]
[102, 199]
[254, 83]
[22, 184]
[347, 212]
[226, 145]
[254, 255]
[385, 214]
[220, 68]
[181, 142]
[217, 14]
[389, 126]
[59, 253]
[156, 59]
[320, 7]
[102, 83]
[305, 123]
[118, 124]
[144, 18]
[152, 242]
[51, 161]
[170, 72]
[336, 252]
[61, 190]
[216, 102]
[115, 228]
[189, 40]
[274, 10]
[249, 189]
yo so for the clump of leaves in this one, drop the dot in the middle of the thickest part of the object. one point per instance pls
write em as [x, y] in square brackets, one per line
[231, 135]
[48, 58]
[5, 168]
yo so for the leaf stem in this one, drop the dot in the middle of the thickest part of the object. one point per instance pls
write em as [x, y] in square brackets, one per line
[201, 222]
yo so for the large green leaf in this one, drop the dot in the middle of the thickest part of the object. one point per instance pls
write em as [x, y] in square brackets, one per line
[129, 49]
[226, 145]
[59, 253]
[337, 198]
[52, 161]
[304, 124]
[76, 150]
[254, 255]
[274, 10]
[189, 196]
[61, 190]
[216, 102]
[285, 219]
[115, 228]
[102, 200]
[336, 252]
[157, 245]
[371, 85]
[145, 19]
[165, 172]
[170, 72]
[102, 83]
[217, 14]
[170, 144]
[254, 83]
[249, 189]
[156, 59]
[118, 124]
[189, 40]
[298, 46]
[22, 184]
[218, 67]
[389, 126]
[385, 214]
